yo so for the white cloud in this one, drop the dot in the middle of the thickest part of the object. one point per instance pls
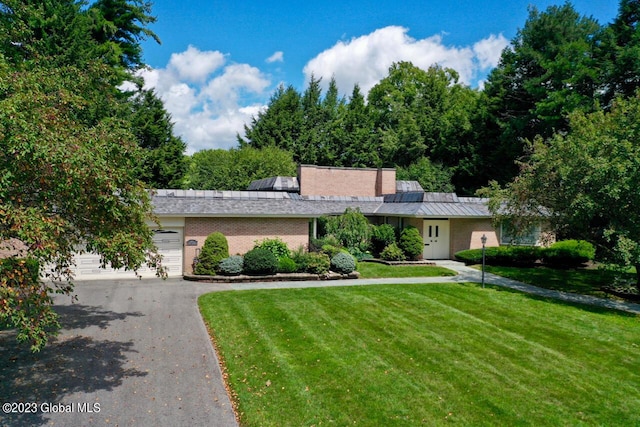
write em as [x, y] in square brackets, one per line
[488, 50]
[276, 57]
[206, 97]
[194, 65]
[365, 60]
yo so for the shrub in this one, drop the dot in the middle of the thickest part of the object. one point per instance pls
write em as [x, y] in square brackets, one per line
[502, 255]
[316, 244]
[392, 253]
[352, 229]
[469, 256]
[317, 263]
[343, 263]
[214, 250]
[516, 255]
[330, 250]
[359, 255]
[569, 253]
[260, 261]
[382, 236]
[287, 265]
[411, 243]
[276, 246]
[231, 266]
[299, 256]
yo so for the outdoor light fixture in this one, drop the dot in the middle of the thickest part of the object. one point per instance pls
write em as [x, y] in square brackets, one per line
[483, 239]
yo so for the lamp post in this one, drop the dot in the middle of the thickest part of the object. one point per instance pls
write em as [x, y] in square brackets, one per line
[483, 239]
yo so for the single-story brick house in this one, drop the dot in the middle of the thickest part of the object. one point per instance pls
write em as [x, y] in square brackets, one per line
[288, 207]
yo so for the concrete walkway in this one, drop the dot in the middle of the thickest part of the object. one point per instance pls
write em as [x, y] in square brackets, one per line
[137, 353]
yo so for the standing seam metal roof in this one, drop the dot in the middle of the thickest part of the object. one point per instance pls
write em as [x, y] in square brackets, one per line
[282, 204]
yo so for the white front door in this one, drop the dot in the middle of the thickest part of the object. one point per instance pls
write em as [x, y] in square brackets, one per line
[436, 239]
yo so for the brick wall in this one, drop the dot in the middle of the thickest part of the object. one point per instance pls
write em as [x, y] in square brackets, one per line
[328, 181]
[241, 233]
[466, 234]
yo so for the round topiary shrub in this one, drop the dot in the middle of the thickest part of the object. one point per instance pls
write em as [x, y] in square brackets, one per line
[260, 261]
[287, 265]
[214, 250]
[231, 266]
[343, 263]
[392, 253]
[411, 243]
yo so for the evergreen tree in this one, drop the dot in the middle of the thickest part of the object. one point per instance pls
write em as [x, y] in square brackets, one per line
[549, 71]
[354, 132]
[164, 164]
[279, 125]
[619, 52]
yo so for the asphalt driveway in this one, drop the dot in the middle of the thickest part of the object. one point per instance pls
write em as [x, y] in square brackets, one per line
[131, 353]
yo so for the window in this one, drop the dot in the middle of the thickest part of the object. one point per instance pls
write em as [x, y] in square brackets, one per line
[529, 237]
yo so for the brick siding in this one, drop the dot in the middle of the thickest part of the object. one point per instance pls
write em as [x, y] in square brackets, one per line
[363, 182]
[241, 233]
[466, 234]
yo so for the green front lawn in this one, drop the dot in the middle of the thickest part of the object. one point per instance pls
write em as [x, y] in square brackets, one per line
[424, 355]
[580, 281]
[375, 270]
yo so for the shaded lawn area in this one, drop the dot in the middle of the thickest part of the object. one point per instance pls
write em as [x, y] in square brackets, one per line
[424, 354]
[375, 270]
[576, 280]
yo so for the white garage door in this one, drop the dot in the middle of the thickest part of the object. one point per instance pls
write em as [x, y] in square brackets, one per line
[169, 242]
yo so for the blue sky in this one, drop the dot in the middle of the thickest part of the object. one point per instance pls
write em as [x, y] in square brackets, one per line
[220, 61]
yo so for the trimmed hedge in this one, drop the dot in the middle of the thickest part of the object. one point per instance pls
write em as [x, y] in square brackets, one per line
[260, 261]
[569, 253]
[343, 263]
[502, 255]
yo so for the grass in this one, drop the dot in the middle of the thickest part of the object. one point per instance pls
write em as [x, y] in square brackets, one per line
[580, 281]
[375, 270]
[399, 355]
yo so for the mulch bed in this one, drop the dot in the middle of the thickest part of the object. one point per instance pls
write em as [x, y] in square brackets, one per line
[280, 277]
